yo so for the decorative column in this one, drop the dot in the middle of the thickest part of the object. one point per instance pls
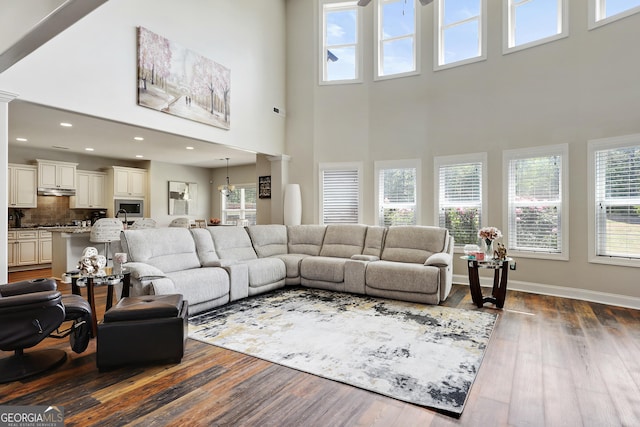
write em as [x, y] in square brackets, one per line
[292, 208]
[5, 98]
[279, 178]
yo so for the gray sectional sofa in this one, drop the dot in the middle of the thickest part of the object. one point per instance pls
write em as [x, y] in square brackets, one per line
[216, 265]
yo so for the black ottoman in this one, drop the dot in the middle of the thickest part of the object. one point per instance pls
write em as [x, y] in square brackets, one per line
[143, 329]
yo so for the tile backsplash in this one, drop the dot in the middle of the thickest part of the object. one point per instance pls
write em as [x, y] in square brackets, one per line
[51, 210]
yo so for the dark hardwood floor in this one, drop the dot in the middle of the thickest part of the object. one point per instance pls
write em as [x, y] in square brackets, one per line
[551, 362]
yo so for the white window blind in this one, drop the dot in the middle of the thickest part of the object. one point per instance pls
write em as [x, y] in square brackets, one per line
[240, 205]
[460, 200]
[535, 203]
[617, 191]
[340, 196]
[397, 196]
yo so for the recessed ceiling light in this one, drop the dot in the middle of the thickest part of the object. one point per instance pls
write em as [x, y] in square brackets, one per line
[138, 138]
[66, 125]
[21, 139]
[139, 156]
[189, 148]
[88, 149]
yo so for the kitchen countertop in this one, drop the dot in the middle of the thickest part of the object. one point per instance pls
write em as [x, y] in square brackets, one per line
[60, 229]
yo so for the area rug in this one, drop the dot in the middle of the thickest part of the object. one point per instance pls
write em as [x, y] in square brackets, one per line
[421, 354]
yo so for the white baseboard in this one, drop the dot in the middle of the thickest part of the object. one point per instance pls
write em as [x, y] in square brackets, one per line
[558, 291]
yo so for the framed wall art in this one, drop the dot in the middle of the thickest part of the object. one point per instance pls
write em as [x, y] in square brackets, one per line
[178, 81]
[264, 187]
[183, 197]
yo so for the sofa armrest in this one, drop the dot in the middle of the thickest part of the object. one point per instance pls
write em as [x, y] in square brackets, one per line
[141, 277]
[144, 272]
[365, 258]
[440, 259]
[238, 280]
[163, 286]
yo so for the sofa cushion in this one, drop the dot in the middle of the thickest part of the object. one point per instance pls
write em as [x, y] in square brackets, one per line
[305, 239]
[402, 276]
[168, 249]
[204, 247]
[326, 269]
[232, 243]
[343, 240]
[265, 271]
[268, 240]
[199, 285]
[413, 243]
[292, 263]
[374, 241]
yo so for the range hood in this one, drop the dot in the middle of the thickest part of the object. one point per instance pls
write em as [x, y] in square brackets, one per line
[45, 191]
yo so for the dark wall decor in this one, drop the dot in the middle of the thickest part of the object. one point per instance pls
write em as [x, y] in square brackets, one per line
[264, 187]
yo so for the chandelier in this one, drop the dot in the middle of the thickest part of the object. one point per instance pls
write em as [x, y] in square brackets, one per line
[226, 188]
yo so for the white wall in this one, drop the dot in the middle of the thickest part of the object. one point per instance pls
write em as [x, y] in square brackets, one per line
[91, 66]
[159, 176]
[569, 91]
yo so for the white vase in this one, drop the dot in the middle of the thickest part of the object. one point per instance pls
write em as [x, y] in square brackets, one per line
[292, 209]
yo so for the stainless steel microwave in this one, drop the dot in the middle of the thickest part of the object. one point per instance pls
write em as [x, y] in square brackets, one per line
[133, 207]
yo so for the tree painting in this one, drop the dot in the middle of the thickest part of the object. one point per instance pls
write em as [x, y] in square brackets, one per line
[178, 81]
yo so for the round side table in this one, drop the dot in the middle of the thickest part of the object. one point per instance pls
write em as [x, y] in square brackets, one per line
[500, 277]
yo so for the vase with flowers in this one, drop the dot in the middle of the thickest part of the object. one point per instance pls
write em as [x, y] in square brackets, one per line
[488, 235]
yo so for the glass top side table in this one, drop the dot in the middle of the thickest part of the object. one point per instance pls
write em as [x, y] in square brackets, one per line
[500, 277]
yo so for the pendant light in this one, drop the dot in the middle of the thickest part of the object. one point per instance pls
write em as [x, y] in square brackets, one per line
[226, 188]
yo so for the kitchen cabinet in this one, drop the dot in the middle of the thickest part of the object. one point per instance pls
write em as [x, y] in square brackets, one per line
[44, 247]
[23, 248]
[22, 186]
[90, 191]
[56, 174]
[129, 182]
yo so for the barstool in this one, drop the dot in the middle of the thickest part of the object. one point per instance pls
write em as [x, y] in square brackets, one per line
[180, 222]
[106, 230]
[143, 223]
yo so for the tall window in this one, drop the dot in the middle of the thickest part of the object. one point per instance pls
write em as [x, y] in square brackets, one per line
[340, 193]
[460, 194]
[532, 22]
[537, 207]
[340, 51]
[604, 11]
[397, 190]
[240, 205]
[460, 32]
[615, 191]
[397, 48]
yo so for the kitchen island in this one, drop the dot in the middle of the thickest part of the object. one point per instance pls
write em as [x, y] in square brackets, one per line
[68, 243]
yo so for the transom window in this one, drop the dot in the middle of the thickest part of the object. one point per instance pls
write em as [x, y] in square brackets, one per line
[240, 205]
[397, 192]
[460, 32]
[537, 208]
[340, 51]
[397, 47]
[460, 195]
[529, 23]
[615, 200]
[340, 193]
[604, 11]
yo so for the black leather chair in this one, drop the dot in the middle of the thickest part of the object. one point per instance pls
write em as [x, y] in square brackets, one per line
[30, 311]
